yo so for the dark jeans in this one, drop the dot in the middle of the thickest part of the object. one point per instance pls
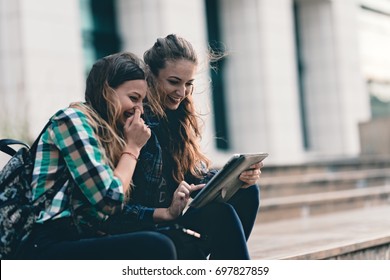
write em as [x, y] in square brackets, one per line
[246, 202]
[226, 226]
[53, 242]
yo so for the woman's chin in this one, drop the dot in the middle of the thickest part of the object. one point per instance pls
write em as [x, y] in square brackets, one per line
[172, 107]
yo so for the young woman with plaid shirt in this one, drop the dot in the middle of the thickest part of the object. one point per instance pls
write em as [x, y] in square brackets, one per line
[94, 146]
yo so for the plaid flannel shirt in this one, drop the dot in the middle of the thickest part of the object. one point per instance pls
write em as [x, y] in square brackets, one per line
[149, 174]
[69, 144]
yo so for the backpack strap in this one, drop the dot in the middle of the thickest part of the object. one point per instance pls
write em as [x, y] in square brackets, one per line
[5, 146]
[6, 143]
[35, 144]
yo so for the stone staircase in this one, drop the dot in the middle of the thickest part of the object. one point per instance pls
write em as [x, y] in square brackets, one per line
[324, 210]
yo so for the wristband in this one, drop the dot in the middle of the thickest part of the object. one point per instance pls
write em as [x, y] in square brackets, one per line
[130, 154]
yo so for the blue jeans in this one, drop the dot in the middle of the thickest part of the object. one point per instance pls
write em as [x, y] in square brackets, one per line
[50, 242]
[226, 226]
[246, 202]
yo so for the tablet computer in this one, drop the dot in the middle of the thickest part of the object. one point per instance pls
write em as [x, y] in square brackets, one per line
[226, 182]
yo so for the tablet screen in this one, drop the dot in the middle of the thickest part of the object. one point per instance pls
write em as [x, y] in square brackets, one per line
[226, 182]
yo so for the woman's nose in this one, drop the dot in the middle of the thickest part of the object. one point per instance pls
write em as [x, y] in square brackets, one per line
[181, 91]
[140, 106]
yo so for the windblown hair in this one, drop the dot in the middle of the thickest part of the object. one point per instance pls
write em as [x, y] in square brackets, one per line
[102, 105]
[184, 129]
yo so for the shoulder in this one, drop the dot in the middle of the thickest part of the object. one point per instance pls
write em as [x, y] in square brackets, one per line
[71, 121]
[72, 116]
[69, 114]
[70, 125]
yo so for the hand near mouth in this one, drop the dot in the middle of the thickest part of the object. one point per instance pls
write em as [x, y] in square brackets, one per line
[136, 132]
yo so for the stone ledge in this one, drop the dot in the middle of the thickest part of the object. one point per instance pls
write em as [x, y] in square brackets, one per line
[303, 206]
[345, 248]
[327, 182]
[326, 176]
[308, 237]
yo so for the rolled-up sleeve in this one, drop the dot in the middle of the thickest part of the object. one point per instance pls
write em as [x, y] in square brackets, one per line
[143, 215]
[77, 142]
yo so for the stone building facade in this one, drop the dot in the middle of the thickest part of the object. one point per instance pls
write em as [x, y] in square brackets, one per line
[296, 83]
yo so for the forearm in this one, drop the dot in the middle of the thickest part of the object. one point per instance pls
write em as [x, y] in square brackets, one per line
[125, 168]
[162, 215]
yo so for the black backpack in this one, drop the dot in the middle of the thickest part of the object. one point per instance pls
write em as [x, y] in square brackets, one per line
[17, 209]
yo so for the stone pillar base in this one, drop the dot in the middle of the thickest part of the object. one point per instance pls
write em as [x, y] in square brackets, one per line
[375, 137]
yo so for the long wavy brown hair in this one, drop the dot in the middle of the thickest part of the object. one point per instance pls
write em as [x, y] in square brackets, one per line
[184, 128]
[102, 106]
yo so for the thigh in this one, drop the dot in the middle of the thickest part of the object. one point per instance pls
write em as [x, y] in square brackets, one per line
[139, 245]
[221, 226]
[204, 221]
[211, 219]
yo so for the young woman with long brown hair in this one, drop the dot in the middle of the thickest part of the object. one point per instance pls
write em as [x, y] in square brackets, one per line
[94, 147]
[172, 165]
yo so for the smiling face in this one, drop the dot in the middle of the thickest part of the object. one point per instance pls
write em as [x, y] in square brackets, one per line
[131, 95]
[176, 81]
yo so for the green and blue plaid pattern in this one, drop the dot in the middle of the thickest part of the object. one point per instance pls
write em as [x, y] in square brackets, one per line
[70, 145]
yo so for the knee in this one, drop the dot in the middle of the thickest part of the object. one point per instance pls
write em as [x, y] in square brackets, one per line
[162, 244]
[252, 195]
[227, 219]
[254, 190]
[225, 210]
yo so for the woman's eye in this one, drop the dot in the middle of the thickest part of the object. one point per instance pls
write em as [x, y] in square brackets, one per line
[173, 82]
[134, 98]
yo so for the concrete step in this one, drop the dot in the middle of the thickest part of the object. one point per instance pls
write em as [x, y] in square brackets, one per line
[301, 206]
[356, 234]
[323, 182]
[330, 165]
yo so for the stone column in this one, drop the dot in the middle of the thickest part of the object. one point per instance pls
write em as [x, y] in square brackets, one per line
[261, 82]
[334, 89]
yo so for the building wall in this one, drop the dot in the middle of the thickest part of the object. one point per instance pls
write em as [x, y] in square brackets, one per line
[261, 82]
[295, 110]
[334, 91]
[374, 42]
[41, 63]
